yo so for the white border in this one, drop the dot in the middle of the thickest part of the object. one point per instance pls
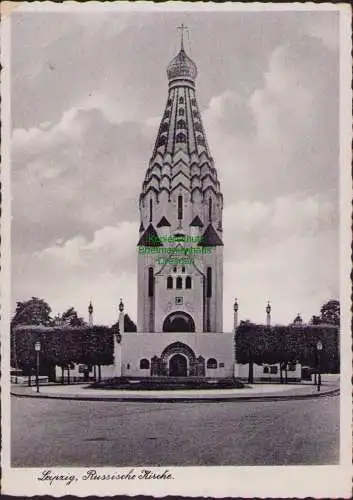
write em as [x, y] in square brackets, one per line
[279, 481]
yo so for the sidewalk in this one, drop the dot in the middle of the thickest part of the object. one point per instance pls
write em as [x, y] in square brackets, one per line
[260, 392]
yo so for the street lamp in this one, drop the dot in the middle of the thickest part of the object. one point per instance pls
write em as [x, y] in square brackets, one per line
[319, 347]
[37, 349]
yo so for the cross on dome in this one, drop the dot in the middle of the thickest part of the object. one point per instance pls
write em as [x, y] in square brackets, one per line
[182, 28]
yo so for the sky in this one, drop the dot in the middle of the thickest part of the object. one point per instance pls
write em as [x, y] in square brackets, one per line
[87, 93]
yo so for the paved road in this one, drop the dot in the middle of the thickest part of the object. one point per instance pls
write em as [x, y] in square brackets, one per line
[93, 433]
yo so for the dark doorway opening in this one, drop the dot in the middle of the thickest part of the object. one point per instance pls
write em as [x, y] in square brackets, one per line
[178, 366]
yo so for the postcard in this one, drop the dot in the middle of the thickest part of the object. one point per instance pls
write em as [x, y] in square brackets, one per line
[175, 243]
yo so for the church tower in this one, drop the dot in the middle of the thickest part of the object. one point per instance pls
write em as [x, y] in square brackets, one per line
[180, 248]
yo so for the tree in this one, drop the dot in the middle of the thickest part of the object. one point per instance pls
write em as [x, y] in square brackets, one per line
[283, 344]
[34, 311]
[315, 320]
[71, 318]
[62, 346]
[330, 313]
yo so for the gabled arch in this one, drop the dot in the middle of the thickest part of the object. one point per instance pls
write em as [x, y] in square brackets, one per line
[180, 184]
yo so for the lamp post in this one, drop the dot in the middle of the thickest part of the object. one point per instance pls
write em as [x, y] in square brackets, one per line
[319, 347]
[37, 349]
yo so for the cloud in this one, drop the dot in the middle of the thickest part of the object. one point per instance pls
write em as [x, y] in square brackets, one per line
[76, 176]
[282, 137]
[298, 274]
[73, 272]
[270, 110]
[285, 250]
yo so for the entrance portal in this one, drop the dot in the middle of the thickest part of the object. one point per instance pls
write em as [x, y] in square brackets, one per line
[178, 366]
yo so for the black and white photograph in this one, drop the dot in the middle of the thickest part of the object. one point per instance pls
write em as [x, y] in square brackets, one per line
[175, 249]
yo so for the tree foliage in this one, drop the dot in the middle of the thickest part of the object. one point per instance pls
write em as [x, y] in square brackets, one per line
[62, 345]
[281, 344]
[34, 311]
[329, 314]
[71, 318]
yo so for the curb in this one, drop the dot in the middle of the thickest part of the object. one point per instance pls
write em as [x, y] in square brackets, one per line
[181, 399]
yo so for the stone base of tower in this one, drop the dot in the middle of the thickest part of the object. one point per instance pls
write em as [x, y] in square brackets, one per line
[178, 354]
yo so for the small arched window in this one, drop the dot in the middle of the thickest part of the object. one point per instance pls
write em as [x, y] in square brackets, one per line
[150, 282]
[161, 141]
[200, 140]
[181, 124]
[188, 282]
[210, 209]
[212, 363]
[181, 100]
[209, 282]
[180, 207]
[169, 282]
[181, 137]
[174, 269]
[144, 364]
[266, 369]
[179, 283]
[183, 269]
[181, 112]
[151, 210]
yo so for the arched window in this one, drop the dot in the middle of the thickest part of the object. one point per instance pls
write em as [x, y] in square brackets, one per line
[212, 363]
[169, 282]
[144, 364]
[266, 369]
[151, 210]
[181, 137]
[174, 269]
[181, 100]
[181, 124]
[181, 112]
[150, 281]
[179, 283]
[161, 141]
[180, 207]
[183, 269]
[210, 209]
[188, 282]
[209, 282]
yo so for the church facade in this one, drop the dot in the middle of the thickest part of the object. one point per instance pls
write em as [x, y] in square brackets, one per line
[180, 249]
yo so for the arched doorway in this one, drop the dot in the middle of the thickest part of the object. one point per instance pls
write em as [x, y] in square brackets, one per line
[175, 366]
[178, 322]
[178, 366]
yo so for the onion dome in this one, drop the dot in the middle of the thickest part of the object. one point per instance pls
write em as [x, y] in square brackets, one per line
[181, 67]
